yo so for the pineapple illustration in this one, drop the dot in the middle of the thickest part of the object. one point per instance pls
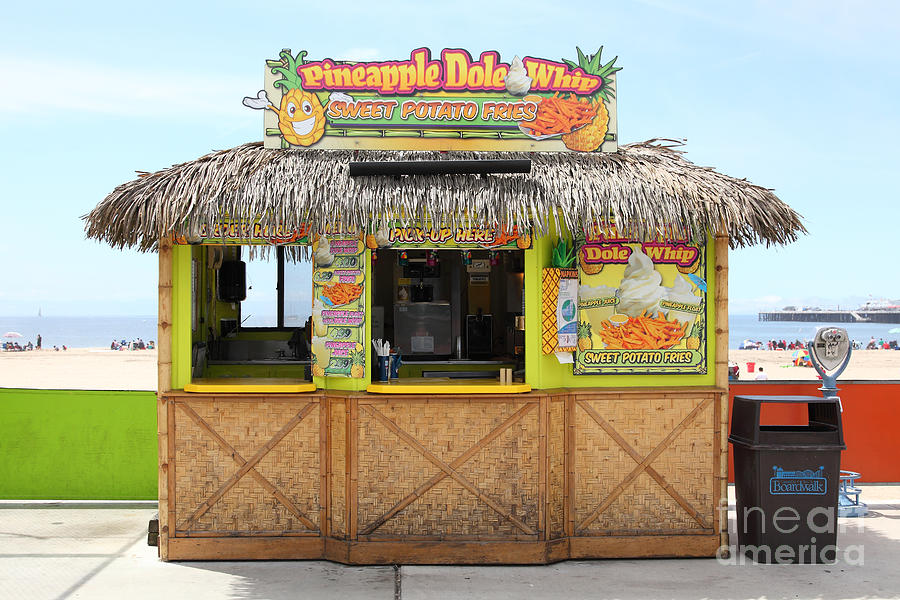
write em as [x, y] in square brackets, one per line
[584, 336]
[358, 360]
[301, 116]
[591, 136]
[691, 268]
[549, 296]
[317, 371]
[588, 268]
[693, 340]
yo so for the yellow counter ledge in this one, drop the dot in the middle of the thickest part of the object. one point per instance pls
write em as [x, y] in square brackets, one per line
[250, 385]
[446, 385]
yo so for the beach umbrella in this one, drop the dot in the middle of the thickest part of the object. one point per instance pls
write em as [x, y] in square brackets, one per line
[13, 334]
[801, 358]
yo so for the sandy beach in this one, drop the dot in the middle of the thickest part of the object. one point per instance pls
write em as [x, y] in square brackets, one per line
[103, 369]
[79, 369]
[865, 365]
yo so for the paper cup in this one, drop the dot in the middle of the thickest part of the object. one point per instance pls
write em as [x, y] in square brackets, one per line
[596, 303]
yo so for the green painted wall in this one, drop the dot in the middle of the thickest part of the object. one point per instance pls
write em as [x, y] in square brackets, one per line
[181, 316]
[77, 445]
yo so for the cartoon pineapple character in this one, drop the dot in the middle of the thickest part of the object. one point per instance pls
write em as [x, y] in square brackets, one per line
[301, 117]
[584, 336]
[358, 362]
[591, 136]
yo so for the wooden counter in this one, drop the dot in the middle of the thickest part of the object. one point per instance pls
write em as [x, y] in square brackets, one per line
[525, 478]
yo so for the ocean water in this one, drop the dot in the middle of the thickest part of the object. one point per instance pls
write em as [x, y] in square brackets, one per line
[82, 332]
[742, 327]
[79, 332]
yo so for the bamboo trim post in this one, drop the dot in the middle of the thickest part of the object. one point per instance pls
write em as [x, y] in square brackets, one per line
[721, 251]
[164, 327]
[164, 385]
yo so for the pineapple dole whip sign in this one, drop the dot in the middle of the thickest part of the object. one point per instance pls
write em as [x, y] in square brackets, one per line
[338, 340]
[641, 306]
[449, 101]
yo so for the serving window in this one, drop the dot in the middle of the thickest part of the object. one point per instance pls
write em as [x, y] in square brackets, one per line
[252, 322]
[455, 316]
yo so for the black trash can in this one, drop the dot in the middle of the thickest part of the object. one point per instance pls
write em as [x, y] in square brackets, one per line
[786, 480]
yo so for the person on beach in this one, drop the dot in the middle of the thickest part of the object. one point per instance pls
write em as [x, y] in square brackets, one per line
[762, 375]
[38, 342]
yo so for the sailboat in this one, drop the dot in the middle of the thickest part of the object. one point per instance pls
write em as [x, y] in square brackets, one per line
[39, 311]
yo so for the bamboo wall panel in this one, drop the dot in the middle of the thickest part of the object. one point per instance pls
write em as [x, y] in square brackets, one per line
[449, 469]
[247, 467]
[338, 468]
[360, 479]
[643, 465]
[556, 450]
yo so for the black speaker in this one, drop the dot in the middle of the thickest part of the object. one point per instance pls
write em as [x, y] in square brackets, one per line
[232, 286]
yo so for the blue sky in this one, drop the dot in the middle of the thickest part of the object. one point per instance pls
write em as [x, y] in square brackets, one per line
[800, 97]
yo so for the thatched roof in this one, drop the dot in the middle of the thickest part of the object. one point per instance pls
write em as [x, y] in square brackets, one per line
[645, 188]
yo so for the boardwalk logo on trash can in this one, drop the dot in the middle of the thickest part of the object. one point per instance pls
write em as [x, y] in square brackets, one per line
[807, 482]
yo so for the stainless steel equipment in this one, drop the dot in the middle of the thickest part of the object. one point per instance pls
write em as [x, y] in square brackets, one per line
[423, 328]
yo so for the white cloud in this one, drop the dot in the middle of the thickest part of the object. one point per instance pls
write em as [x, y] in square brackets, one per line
[33, 86]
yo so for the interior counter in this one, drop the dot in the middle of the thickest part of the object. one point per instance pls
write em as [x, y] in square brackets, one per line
[250, 385]
[445, 385]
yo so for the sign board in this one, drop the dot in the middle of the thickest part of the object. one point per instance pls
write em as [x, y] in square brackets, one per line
[246, 232]
[641, 306]
[339, 343]
[451, 100]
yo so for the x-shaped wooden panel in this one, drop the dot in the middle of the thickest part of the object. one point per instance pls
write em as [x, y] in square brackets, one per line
[643, 464]
[447, 469]
[248, 466]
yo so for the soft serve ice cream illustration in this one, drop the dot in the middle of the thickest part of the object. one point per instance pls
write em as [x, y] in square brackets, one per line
[640, 289]
[323, 254]
[517, 81]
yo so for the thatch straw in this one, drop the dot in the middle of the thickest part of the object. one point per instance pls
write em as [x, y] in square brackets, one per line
[647, 189]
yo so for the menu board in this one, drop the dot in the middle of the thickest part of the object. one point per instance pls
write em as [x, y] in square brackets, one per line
[339, 324]
[641, 306]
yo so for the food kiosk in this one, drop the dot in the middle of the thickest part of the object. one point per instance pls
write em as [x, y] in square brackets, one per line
[559, 302]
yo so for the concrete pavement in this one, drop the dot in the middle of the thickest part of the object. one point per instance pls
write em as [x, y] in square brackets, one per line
[80, 551]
